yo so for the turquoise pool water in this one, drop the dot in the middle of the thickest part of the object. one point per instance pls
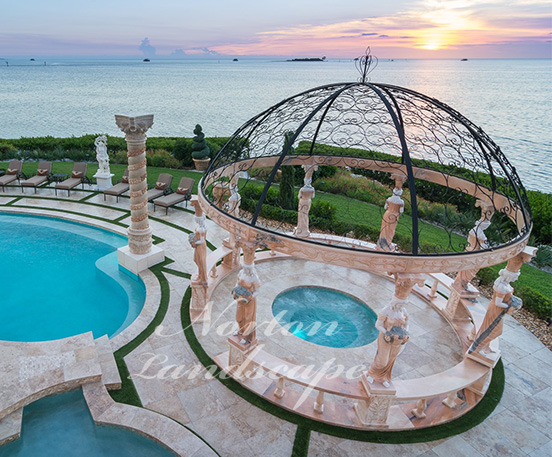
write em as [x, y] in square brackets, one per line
[61, 278]
[61, 426]
[326, 317]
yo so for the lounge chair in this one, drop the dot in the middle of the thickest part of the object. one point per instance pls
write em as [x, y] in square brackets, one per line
[42, 176]
[183, 193]
[118, 189]
[12, 173]
[77, 177]
[162, 187]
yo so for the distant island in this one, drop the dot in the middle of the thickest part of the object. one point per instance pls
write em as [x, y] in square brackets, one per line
[308, 59]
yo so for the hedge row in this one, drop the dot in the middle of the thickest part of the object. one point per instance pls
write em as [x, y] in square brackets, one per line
[167, 152]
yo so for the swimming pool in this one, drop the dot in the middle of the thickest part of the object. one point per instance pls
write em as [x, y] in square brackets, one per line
[61, 278]
[61, 426]
[325, 317]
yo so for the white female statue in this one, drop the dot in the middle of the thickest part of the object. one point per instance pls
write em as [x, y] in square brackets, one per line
[101, 156]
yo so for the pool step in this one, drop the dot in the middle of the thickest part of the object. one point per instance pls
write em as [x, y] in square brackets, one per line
[110, 372]
[10, 426]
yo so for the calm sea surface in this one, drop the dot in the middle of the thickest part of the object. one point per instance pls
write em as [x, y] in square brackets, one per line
[510, 99]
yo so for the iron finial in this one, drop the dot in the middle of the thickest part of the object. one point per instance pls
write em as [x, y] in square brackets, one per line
[365, 64]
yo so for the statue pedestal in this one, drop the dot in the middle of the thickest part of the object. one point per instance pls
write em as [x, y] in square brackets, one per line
[489, 359]
[239, 357]
[139, 262]
[373, 411]
[103, 181]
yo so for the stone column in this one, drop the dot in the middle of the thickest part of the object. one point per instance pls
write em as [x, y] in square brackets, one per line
[461, 287]
[394, 207]
[244, 294]
[233, 208]
[501, 303]
[140, 254]
[306, 194]
[198, 241]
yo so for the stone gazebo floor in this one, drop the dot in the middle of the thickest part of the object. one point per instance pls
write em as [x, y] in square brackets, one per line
[519, 426]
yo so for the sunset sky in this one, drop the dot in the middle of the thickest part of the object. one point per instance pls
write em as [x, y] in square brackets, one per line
[287, 28]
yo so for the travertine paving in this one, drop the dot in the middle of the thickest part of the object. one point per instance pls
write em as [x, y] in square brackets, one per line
[164, 368]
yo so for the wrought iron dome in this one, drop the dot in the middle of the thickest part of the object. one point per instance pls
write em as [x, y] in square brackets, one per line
[379, 133]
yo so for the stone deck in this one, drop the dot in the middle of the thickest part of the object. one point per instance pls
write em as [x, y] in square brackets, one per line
[520, 425]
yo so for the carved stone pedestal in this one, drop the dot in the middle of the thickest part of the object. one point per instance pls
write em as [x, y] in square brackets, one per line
[489, 359]
[137, 263]
[103, 181]
[373, 411]
[239, 357]
[198, 303]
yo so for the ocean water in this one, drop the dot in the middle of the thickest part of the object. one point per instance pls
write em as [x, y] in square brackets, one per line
[510, 99]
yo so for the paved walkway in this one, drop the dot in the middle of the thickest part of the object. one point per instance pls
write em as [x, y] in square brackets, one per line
[519, 426]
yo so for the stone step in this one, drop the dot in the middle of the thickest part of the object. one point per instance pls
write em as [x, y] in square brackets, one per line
[110, 373]
[10, 427]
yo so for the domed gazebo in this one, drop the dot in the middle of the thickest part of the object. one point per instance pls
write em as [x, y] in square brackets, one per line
[449, 183]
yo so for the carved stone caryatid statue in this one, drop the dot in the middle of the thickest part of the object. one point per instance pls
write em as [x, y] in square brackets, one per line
[501, 303]
[198, 241]
[477, 240]
[306, 194]
[245, 296]
[394, 206]
[393, 326]
[139, 232]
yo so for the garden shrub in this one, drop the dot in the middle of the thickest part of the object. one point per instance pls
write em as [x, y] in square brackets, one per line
[183, 151]
[534, 301]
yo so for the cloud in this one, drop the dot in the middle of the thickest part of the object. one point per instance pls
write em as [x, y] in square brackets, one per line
[146, 48]
[178, 53]
[384, 36]
[370, 34]
[202, 51]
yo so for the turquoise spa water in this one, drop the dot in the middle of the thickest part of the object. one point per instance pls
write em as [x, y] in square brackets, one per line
[326, 317]
[60, 279]
[510, 99]
[61, 426]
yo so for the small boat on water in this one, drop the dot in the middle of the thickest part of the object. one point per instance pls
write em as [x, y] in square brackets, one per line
[234, 60]
[146, 60]
[463, 60]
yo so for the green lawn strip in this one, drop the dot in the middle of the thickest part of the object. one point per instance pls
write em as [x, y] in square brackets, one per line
[479, 413]
[99, 205]
[127, 393]
[180, 274]
[355, 211]
[210, 245]
[30, 169]
[301, 442]
[15, 200]
[124, 216]
[92, 194]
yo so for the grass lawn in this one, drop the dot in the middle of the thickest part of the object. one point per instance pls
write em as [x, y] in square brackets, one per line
[351, 210]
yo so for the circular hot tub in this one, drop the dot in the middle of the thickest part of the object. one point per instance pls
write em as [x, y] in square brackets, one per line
[325, 317]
